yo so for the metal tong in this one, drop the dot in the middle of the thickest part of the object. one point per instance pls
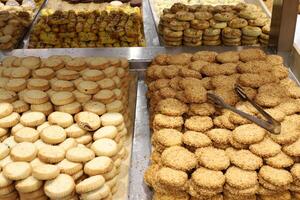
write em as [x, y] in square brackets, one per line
[269, 124]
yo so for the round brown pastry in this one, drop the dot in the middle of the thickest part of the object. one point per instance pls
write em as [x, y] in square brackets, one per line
[178, 25]
[193, 8]
[193, 33]
[262, 21]
[193, 44]
[179, 7]
[251, 31]
[191, 39]
[203, 15]
[232, 43]
[240, 6]
[231, 33]
[184, 16]
[224, 17]
[237, 23]
[212, 42]
[168, 17]
[172, 39]
[208, 8]
[217, 24]
[168, 43]
[264, 36]
[248, 14]
[230, 40]
[245, 37]
[222, 8]
[211, 38]
[199, 24]
[212, 31]
[169, 33]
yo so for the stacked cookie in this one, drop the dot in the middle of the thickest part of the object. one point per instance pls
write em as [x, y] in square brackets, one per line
[59, 159]
[66, 84]
[87, 25]
[203, 24]
[203, 152]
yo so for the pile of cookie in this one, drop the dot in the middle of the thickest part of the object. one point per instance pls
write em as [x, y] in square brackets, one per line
[64, 25]
[61, 157]
[231, 25]
[66, 84]
[14, 22]
[204, 152]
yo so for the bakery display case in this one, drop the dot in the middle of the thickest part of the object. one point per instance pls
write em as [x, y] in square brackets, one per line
[136, 119]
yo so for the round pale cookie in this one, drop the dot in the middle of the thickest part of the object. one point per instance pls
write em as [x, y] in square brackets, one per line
[51, 154]
[90, 183]
[101, 193]
[66, 74]
[78, 176]
[32, 119]
[36, 162]
[110, 72]
[115, 106]
[40, 144]
[113, 119]
[42, 126]
[16, 85]
[292, 149]
[266, 148]
[98, 165]
[246, 192]
[30, 184]
[248, 134]
[278, 177]
[35, 97]
[17, 170]
[61, 85]
[7, 96]
[213, 158]
[16, 128]
[111, 174]
[95, 107]
[10, 120]
[80, 154]
[31, 62]
[4, 181]
[213, 179]
[246, 160]
[46, 108]
[104, 96]
[37, 194]
[24, 151]
[4, 131]
[45, 172]
[109, 132]
[75, 131]
[240, 178]
[69, 167]
[53, 134]
[26, 134]
[61, 119]
[92, 75]
[172, 107]
[77, 64]
[62, 98]
[4, 151]
[281, 160]
[10, 142]
[20, 106]
[71, 108]
[85, 139]
[105, 147]
[81, 97]
[88, 120]
[44, 73]
[63, 185]
[190, 138]
[38, 84]
[228, 57]
[5, 109]
[106, 83]
[68, 144]
[88, 87]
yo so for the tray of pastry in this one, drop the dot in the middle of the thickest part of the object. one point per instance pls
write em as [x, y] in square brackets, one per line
[62, 24]
[183, 137]
[65, 121]
[196, 25]
[16, 18]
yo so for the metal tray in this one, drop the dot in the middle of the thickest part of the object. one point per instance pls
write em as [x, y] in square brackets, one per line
[140, 59]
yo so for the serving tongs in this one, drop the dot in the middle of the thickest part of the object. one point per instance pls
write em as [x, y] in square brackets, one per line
[270, 124]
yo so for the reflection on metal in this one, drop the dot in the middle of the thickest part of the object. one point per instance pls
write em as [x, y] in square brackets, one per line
[284, 17]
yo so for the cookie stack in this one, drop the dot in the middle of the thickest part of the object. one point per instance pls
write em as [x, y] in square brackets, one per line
[264, 37]
[42, 155]
[212, 25]
[238, 159]
[62, 83]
